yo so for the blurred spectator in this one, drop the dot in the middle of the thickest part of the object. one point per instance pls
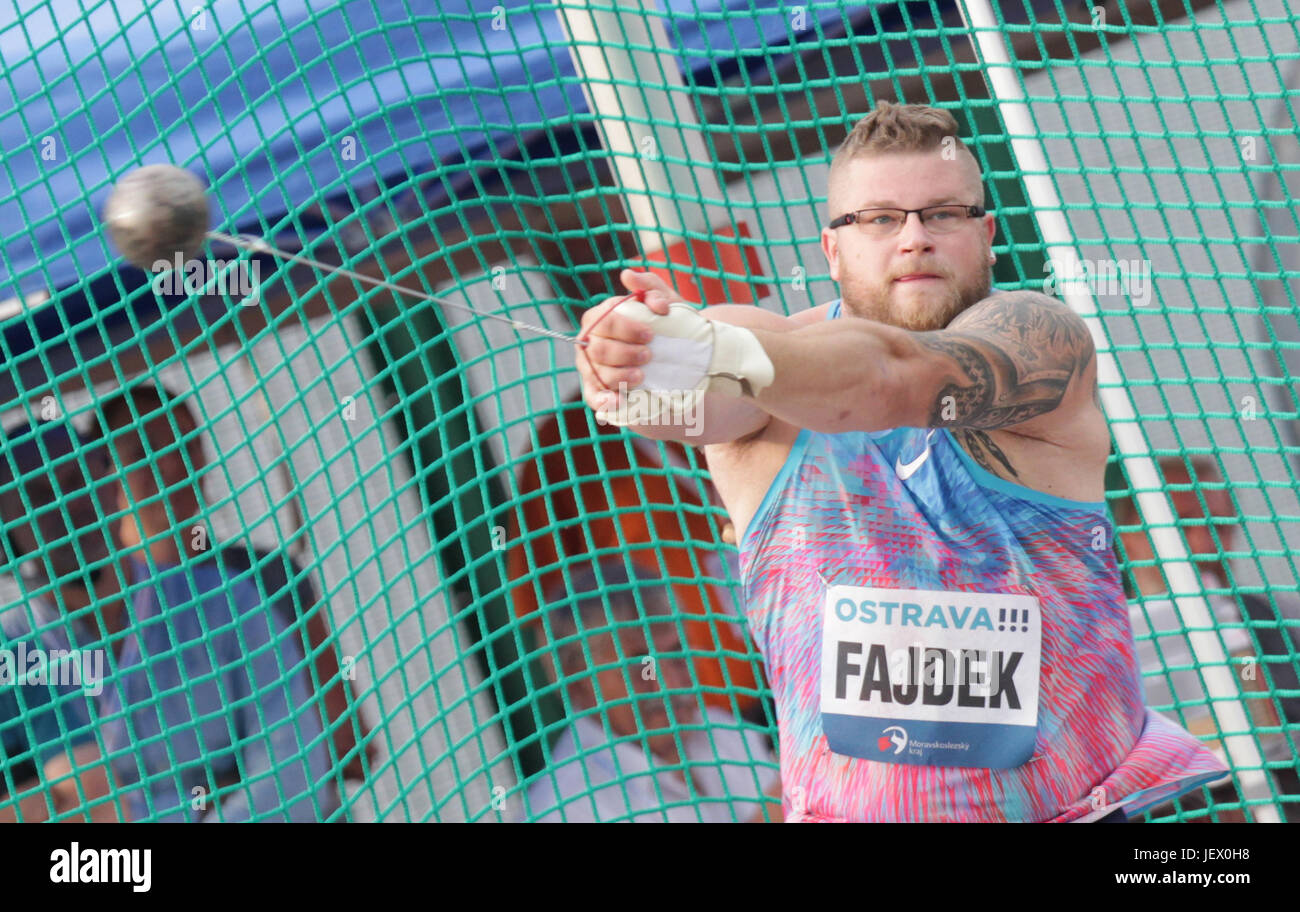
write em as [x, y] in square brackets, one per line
[149, 521]
[44, 723]
[1156, 622]
[661, 760]
[55, 531]
[210, 714]
[212, 661]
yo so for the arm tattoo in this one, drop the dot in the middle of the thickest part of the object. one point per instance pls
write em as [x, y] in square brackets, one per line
[1016, 353]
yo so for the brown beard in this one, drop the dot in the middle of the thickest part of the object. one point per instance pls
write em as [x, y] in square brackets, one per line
[872, 304]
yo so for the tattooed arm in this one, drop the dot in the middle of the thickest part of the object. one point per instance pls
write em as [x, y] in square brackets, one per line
[1016, 359]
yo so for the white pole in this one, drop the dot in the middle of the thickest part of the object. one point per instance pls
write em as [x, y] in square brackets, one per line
[629, 75]
[1118, 405]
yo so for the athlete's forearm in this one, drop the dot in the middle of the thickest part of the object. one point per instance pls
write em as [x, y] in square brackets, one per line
[716, 419]
[838, 376]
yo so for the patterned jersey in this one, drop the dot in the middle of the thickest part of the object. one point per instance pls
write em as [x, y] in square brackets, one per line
[972, 574]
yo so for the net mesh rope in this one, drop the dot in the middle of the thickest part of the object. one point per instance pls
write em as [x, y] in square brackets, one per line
[416, 579]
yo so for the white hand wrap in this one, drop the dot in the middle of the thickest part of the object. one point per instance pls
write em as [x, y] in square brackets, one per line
[689, 356]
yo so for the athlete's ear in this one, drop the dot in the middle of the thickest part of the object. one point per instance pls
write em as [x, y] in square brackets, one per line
[832, 251]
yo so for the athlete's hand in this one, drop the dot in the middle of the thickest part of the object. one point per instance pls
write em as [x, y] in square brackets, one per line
[618, 346]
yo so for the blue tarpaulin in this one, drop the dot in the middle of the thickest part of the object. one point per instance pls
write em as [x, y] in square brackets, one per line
[266, 106]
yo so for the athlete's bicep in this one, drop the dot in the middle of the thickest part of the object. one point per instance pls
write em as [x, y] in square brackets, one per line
[1012, 358]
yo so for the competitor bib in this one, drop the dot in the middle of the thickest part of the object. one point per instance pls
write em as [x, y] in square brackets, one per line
[931, 678]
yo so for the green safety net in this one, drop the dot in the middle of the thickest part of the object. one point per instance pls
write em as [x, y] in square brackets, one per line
[344, 554]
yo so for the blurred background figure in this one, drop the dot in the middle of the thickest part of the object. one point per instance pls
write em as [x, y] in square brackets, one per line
[639, 747]
[1211, 531]
[212, 711]
[55, 526]
[56, 536]
[215, 711]
[170, 521]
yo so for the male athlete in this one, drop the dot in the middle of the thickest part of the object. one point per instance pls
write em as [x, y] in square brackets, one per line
[915, 477]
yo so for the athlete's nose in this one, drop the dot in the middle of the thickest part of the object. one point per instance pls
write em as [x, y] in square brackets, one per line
[913, 235]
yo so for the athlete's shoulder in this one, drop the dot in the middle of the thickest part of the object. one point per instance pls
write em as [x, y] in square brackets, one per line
[1029, 322]
[812, 315]
[1012, 359]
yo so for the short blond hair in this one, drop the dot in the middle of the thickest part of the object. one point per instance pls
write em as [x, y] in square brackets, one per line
[901, 129]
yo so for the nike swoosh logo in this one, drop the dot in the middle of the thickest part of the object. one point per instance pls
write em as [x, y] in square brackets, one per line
[906, 470]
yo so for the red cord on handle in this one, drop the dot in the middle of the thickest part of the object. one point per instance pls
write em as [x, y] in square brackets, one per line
[583, 336]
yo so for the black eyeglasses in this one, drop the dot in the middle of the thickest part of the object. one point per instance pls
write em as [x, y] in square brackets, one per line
[886, 222]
